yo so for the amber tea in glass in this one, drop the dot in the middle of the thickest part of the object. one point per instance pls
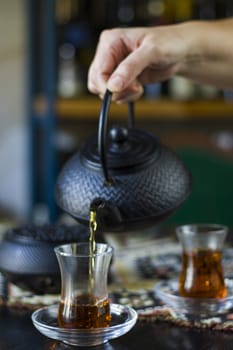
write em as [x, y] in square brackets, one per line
[202, 273]
[84, 312]
[84, 292]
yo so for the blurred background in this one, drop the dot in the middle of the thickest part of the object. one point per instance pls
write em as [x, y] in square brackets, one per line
[46, 111]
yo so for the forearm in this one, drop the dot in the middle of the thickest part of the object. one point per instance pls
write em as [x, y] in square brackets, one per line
[209, 56]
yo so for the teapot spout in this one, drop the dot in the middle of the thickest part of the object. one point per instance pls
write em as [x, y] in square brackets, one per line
[108, 216]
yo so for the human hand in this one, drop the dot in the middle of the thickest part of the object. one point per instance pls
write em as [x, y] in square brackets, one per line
[128, 58]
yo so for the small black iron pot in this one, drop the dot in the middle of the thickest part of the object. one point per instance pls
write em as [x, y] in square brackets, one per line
[27, 256]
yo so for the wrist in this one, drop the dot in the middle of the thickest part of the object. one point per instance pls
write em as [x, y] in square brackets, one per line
[193, 36]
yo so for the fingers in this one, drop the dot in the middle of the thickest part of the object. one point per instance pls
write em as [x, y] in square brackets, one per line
[128, 70]
[129, 97]
[129, 94]
[128, 58]
[118, 61]
[110, 51]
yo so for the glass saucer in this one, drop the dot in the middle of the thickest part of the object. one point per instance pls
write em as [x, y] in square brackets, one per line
[195, 308]
[123, 319]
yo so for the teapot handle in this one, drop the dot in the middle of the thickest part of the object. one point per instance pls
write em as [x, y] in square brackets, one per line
[102, 130]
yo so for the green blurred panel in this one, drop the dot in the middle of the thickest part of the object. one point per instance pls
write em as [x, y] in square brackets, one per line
[212, 195]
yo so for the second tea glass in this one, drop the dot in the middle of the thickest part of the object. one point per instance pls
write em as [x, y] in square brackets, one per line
[202, 273]
[84, 291]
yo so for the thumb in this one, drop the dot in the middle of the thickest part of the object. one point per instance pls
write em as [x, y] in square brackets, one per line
[128, 71]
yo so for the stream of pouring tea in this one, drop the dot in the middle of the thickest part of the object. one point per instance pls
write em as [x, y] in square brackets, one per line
[92, 247]
[86, 311]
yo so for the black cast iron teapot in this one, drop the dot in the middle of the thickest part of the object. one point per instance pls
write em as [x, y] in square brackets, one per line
[136, 181]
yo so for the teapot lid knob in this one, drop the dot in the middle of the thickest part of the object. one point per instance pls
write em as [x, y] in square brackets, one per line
[118, 134]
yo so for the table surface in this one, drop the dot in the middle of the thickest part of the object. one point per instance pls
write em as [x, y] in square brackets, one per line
[18, 333]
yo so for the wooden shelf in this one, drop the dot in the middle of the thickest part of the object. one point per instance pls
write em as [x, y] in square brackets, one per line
[89, 107]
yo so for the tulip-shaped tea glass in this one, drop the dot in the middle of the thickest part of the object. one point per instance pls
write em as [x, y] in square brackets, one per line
[84, 291]
[202, 272]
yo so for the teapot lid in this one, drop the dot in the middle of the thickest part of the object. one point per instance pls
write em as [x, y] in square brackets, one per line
[129, 149]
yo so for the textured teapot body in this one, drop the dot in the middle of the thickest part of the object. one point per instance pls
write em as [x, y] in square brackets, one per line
[143, 194]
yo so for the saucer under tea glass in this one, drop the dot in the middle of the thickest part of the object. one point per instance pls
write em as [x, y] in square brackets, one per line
[193, 309]
[123, 319]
